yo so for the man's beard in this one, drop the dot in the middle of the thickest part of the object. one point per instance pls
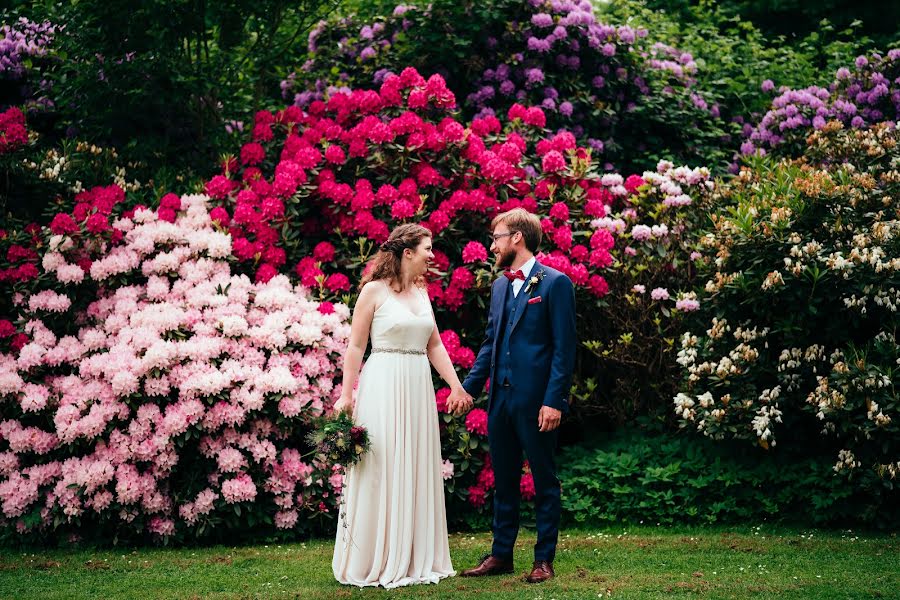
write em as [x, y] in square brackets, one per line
[505, 258]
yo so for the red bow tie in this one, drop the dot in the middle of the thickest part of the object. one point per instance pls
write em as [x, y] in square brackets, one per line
[513, 275]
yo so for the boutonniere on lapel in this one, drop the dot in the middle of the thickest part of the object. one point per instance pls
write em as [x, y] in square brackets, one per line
[533, 281]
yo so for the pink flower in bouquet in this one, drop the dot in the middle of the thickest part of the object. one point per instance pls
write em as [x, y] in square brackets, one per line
[465, 358]
[437, 91]
[262, 132]
[477, 420]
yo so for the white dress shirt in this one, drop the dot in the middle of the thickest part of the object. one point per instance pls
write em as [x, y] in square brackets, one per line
[518, 283]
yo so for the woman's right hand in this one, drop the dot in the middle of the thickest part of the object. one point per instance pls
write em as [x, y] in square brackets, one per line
[344, 404]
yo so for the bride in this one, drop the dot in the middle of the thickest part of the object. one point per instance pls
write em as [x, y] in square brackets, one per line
[392, 527]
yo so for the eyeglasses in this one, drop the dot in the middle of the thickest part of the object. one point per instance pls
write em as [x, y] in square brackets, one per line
[497, 236]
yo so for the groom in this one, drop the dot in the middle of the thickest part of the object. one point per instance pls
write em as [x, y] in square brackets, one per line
[528, 354]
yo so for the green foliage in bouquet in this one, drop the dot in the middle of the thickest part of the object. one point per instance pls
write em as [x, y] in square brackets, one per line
[338, 440]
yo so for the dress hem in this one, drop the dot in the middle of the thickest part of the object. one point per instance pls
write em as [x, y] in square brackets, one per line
[406, 581]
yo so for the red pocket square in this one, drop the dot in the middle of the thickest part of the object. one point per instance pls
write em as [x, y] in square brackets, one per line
[534, 300]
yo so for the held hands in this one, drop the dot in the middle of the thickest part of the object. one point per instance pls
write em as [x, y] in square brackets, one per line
[459, 402]
[549, 418]
[344, 404]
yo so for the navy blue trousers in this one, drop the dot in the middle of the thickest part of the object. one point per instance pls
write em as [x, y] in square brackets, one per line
[512, 430]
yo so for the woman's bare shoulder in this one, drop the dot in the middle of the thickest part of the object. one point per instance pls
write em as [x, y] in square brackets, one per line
[373, 291]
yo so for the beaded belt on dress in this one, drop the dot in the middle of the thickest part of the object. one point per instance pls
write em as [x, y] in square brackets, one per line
[397, 351]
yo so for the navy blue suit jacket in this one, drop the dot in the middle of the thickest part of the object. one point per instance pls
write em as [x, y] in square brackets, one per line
[542, 342]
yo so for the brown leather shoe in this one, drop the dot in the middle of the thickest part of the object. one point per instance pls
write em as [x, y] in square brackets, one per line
[542, 571]
[489, 565]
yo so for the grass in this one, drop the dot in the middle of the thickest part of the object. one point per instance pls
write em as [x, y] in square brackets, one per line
[634, 562]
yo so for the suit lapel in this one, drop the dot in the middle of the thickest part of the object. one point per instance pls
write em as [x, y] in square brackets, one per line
[498, 298]
[522, 299]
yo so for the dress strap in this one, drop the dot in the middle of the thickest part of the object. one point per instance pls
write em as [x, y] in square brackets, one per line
[424, 294]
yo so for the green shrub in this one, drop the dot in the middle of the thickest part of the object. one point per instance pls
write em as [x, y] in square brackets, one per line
[639, 477]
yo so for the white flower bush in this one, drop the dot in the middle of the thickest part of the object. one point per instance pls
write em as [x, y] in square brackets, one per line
[795, 340]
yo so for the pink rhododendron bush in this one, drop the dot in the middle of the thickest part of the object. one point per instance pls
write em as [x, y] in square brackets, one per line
[313, 192]
[158, 393]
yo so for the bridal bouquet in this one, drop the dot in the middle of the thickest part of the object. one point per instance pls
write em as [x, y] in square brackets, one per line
[339, 440]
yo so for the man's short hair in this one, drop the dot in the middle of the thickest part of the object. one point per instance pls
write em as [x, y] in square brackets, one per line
[519, 219]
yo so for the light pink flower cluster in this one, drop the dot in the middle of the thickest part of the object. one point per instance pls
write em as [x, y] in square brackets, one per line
[185, 366]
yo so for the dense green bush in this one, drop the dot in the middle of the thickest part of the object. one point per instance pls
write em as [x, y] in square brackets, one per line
[158, 79]
[735, 57]
[776, 18]
[657, 478]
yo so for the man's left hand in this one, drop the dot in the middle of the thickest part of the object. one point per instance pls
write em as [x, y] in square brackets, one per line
[549, 418]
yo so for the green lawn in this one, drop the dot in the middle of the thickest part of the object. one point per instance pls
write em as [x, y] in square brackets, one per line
[634, 562]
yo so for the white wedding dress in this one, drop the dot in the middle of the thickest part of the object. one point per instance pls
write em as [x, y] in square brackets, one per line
[392, 528]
